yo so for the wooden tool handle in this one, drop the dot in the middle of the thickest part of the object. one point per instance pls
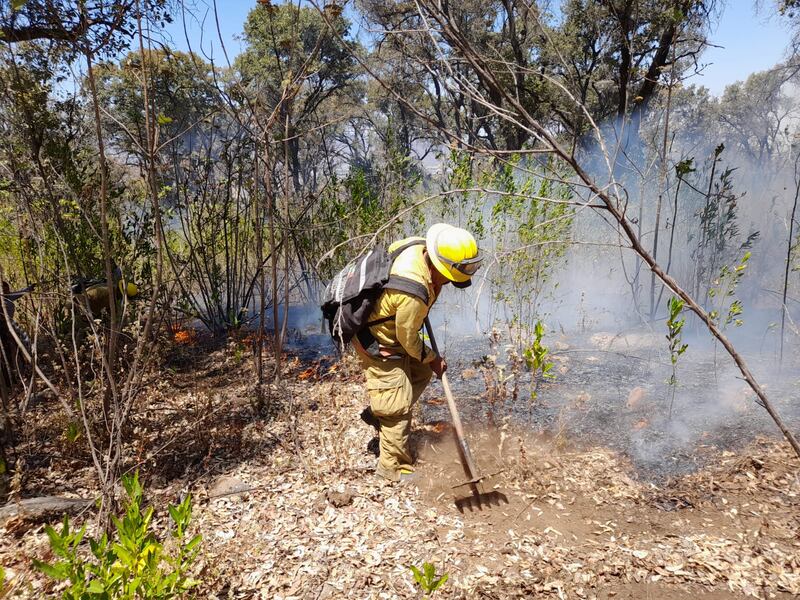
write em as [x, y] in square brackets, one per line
[467, 462]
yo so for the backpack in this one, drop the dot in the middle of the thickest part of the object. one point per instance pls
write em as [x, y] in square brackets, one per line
[350, 297]
[81, 284]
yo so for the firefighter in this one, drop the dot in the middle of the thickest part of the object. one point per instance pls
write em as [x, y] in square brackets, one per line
[94, 298]
[11, 356]
[400, 365]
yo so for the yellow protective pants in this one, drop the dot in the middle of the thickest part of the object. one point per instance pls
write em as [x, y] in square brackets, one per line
[394, 385]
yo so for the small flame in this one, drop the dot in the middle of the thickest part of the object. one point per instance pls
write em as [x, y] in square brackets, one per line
[440, 426]
[185, 336]
[435, 402]
[308, 373]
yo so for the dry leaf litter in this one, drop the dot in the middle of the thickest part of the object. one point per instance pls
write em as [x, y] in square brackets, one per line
[289, 508]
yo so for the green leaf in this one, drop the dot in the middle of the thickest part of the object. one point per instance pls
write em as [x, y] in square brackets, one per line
[193, 542]
[56, 571]
[56, 540]
[98, 547]
[96, 587]
[79, 537]
[17, 4]
[133, 586]
[440, 582]
[190, 583]
[124, 555]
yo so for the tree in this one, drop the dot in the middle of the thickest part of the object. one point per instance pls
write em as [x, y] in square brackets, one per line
[610, 56]
[287, 42]
[755, 115]
[181, 88]
[106, 27]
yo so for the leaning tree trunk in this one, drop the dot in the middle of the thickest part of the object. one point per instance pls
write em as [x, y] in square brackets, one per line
[789, 247]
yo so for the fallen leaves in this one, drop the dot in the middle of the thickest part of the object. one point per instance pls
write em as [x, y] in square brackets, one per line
[304, 516]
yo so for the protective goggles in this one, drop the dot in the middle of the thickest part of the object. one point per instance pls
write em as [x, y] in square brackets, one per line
[467, 267]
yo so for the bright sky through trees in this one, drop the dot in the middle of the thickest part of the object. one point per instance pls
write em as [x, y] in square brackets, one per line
[747, 41]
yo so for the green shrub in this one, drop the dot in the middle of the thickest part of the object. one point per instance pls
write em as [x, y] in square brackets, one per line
[536, 359]
[134, 564]
[427, 579]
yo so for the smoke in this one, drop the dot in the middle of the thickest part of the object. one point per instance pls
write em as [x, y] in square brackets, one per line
[612, 362]
[596, 303]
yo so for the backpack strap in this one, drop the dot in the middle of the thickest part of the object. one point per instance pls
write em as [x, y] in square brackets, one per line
[403, 284]
[378, 321]
[409, 286]
[398, 251]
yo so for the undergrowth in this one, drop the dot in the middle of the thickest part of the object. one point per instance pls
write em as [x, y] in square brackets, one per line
[132, 564]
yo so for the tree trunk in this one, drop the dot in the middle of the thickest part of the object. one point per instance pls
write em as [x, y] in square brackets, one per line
[789, 247]
[662, 188]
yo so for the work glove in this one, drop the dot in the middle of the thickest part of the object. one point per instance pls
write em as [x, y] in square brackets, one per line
[439, 366]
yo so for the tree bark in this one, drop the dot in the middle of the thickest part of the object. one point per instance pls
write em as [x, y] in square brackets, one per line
[789, 256]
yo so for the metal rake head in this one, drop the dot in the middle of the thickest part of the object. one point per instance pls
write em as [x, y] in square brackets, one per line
[480, 500]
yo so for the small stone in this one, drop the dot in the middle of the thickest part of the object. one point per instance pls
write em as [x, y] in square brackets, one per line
[226, 486]
[340, 499]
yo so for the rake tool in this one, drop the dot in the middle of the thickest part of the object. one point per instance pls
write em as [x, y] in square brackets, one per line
[478, 498]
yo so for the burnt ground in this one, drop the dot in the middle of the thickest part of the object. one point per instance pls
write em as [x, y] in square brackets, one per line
[606, 494]
[612, 390]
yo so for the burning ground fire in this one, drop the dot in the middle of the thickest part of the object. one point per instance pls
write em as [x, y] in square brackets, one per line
[318, 370]
[183, 335]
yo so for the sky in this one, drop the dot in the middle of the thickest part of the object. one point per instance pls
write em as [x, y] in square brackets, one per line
[750, 42]
[747, 41]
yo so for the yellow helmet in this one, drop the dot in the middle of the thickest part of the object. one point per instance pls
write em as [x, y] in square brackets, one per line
[130, 290]
[454, 252]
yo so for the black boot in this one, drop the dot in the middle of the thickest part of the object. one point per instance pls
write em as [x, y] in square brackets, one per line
[370, 419]
[374, 447]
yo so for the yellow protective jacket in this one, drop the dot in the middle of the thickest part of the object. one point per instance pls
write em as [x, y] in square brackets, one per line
[401, 334]
[96, 297]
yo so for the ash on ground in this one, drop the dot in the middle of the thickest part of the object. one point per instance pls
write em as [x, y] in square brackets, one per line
[613, 390]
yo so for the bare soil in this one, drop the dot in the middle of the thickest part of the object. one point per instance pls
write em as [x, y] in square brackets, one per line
[288, 505]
